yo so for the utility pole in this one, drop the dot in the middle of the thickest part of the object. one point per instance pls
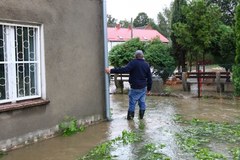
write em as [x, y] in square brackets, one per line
[131, 28]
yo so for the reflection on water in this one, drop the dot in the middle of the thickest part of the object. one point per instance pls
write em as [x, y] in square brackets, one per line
[157, 127]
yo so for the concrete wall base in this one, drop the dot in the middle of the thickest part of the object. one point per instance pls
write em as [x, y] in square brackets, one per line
[33, 137]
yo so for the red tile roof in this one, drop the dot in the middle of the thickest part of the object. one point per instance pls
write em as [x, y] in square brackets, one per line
[124, 34]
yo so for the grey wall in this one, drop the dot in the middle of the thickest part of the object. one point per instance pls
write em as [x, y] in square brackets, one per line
[73, 39]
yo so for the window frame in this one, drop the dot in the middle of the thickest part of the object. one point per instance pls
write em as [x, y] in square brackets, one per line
[12, 62]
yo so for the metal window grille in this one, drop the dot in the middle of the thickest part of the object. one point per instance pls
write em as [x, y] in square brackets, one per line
[19, 62]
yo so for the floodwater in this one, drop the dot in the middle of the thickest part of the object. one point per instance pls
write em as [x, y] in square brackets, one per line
[159, 127]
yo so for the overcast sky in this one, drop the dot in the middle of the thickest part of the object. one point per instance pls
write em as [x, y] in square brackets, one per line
[127, 9]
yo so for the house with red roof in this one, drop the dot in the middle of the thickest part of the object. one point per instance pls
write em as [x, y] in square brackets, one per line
[118, 35]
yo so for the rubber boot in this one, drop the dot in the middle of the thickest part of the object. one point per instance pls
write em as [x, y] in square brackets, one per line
[141, 114]
[130, 115]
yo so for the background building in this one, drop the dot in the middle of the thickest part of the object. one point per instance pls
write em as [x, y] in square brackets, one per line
[118, 35]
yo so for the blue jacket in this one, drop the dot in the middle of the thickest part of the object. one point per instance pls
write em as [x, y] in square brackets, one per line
[139, 74]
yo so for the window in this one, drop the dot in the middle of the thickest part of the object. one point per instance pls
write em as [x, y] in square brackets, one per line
[20, 77]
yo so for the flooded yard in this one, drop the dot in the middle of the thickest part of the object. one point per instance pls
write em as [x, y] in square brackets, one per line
[164, 133]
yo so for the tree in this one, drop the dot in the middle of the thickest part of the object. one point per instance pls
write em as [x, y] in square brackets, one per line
[199, 31]
[237, 30]
[164, 22]
[124, 23]
[178, 17]
[228, 10]
[223, 47]
[111, 22]
[154, 25]
[141, 20]
[236, 68]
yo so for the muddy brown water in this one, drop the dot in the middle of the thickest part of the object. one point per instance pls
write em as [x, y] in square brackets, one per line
[159, 128]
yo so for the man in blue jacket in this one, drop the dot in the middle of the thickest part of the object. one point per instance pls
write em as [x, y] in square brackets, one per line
[140, 80]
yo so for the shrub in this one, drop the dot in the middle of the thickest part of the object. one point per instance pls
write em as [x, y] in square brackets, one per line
[121, 54]
[156, 54]
[159, 58]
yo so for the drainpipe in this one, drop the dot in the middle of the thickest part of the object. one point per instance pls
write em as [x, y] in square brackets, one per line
[106, 60]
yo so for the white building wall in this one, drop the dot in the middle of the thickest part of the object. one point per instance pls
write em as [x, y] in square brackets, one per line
[112, 44]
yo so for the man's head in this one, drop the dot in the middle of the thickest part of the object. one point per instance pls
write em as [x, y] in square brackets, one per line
[139, 54]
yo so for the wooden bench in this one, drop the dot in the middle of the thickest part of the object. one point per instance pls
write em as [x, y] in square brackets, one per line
[119, 77]
[119, 80]
[219, 78]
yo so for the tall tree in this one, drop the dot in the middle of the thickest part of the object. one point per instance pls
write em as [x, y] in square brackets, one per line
[227, 9]
[237, 30]
[236, 69]
[200, 29]
[111, 22]
[141, 20]
[164, 21]
[154, 26]
[178, 17]
[223, 47]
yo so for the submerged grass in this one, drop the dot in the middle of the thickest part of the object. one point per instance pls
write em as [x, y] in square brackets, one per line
[104, 151]
[198, 134]
[197, 139]
[2, 154]
[151, 152]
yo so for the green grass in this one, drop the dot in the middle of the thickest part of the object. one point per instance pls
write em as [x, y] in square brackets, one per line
[198, 134]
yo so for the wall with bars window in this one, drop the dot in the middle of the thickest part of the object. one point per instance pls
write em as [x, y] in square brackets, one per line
[50, 51]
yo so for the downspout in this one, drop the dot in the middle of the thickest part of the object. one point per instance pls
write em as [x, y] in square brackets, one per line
[106, 60]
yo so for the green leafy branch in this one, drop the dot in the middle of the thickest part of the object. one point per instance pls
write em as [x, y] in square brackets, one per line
[69, 126]
[197, 134]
